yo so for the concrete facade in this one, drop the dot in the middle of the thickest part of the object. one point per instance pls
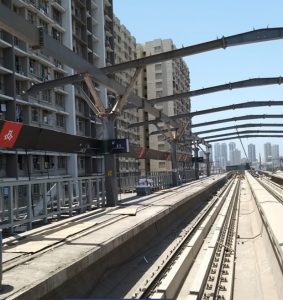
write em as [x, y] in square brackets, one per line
[251, 153]
[158, 80]
[83, 26]
[125, 50]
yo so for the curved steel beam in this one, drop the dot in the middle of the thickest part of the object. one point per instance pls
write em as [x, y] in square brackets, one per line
[221, 87]
[245, 136]
[255, 36]
[229, 107]
[241, 132]
[234, 119]
[241, 118]
[240, 126]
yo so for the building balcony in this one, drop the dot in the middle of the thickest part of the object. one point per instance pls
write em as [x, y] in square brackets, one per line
[58, 5]
[4, 70]
[3, 42]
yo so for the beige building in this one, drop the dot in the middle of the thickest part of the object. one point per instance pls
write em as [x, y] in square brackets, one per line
[159, 80]
[125, 50]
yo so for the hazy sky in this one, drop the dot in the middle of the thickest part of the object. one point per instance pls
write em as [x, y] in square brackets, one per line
[189, 22]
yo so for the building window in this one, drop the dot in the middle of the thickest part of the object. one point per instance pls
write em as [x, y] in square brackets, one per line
[158, 94]
[60, 121]
[158, 67]
[161, 164]
[62, 161]
[31, 17]
[20, 162]
[46, 117]
[34, 115]
[19, 114]
[80, 106]
[1, 84]
[158, 85]
[157, 49]
[60, 100]
[158, 76]
[36, 162]
[57, 35]
[2, 163]
[80, 126]
[81, 163]
[46, 96]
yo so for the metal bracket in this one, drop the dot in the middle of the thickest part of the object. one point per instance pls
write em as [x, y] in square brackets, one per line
[121, 102]
[97, 101]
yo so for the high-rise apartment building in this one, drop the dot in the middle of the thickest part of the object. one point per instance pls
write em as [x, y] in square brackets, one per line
[217, 155]
[125, 50]
[158, 80]
[251, 153]
[267, 152]
[236, 157]
[275, 155]
[224, 155]
[232, 148]
[86, 28]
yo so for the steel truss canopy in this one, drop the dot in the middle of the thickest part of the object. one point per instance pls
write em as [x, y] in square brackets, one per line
[38, 38]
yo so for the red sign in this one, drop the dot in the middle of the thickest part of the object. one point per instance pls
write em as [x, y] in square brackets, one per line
[9, 134]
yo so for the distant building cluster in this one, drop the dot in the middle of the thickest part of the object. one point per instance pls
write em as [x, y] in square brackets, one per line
[270, 161]
[271, 156]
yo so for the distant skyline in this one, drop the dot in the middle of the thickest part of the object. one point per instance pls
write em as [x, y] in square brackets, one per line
[251, 150]
[193, 22]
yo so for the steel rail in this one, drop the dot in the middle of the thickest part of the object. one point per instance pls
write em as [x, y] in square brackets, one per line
[223, 263]
[148, 288]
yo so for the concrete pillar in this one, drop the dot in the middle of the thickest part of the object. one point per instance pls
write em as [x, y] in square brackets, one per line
[174, 163]
[196, 150]
[111, 186]
[207, 164]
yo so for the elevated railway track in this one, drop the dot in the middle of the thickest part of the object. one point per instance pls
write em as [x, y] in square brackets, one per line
[204, 240]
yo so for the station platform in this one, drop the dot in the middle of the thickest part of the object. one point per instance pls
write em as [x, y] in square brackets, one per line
[61, 259]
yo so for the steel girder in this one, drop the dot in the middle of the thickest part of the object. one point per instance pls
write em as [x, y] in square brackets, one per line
[240, 126]
[241, 132]
[255, 36]
[227, 86]
[229, 107]
[241, 118]
[221, 108]
[246, 136]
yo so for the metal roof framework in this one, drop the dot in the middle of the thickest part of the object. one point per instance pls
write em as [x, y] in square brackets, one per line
[38, 38]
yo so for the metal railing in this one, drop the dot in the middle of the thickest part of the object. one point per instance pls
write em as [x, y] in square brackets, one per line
[25, 203]
[22, 203]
